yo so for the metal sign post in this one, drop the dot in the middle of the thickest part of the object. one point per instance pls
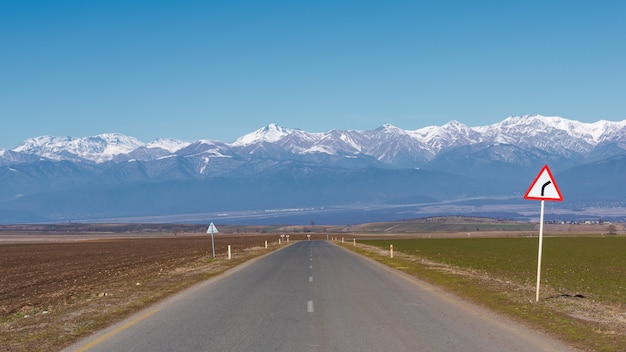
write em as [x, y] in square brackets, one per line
[212, 229]
[543, 188]
[540, 250]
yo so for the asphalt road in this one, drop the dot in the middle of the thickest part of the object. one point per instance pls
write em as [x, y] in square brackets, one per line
[315, 296]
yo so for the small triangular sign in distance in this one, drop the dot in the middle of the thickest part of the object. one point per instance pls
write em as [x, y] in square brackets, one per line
[212, 229]
[544, 187]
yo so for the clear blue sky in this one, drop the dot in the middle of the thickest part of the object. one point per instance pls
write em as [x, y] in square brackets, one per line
[219, 69]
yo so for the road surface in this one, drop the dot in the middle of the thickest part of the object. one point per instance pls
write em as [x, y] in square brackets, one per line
[315, 296]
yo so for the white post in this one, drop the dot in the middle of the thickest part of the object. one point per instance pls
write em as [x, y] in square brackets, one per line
[354, 242]
[540, 249]
[279, 241]
[229, 252]
[391, 250]
[342, 240]
[265, 244]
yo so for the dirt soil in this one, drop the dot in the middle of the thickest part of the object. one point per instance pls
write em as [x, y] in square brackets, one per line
[53, 293]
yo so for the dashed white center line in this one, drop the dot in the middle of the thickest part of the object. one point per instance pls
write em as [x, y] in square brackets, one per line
[310, 278]
[309, 307]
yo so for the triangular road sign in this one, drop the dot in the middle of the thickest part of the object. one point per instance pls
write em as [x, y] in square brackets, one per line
[212, 229]
[544, 187]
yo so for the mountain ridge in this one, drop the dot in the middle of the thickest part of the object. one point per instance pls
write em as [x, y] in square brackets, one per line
[556, 135]
[386, 172]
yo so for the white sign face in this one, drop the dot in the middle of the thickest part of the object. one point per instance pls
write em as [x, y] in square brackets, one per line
[544, 187]
[212, 229]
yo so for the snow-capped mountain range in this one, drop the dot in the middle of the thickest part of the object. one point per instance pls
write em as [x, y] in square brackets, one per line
[112, 175]
[98, 149]
[387, 144]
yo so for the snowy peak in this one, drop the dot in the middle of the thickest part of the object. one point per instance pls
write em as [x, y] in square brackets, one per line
[169, 144]
[337, 142]
[270, 134]
[204, 149]
[113, 144]
[450, 135]
[592, 133]
[98, 148]
[390, 129]
[551, 133]
[101, 148]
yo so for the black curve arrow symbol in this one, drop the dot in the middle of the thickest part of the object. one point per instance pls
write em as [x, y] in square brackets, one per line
[543, 188]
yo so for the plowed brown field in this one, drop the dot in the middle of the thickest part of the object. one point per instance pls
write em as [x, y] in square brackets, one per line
[69, 284]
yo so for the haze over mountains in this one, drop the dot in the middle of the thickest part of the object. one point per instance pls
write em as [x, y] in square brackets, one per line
[283, 175]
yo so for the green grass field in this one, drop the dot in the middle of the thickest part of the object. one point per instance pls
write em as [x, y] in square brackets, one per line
[427, 227]
[592, 266]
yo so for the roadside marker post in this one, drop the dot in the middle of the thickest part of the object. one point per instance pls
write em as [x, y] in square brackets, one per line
[212, 230]
[543, 188]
